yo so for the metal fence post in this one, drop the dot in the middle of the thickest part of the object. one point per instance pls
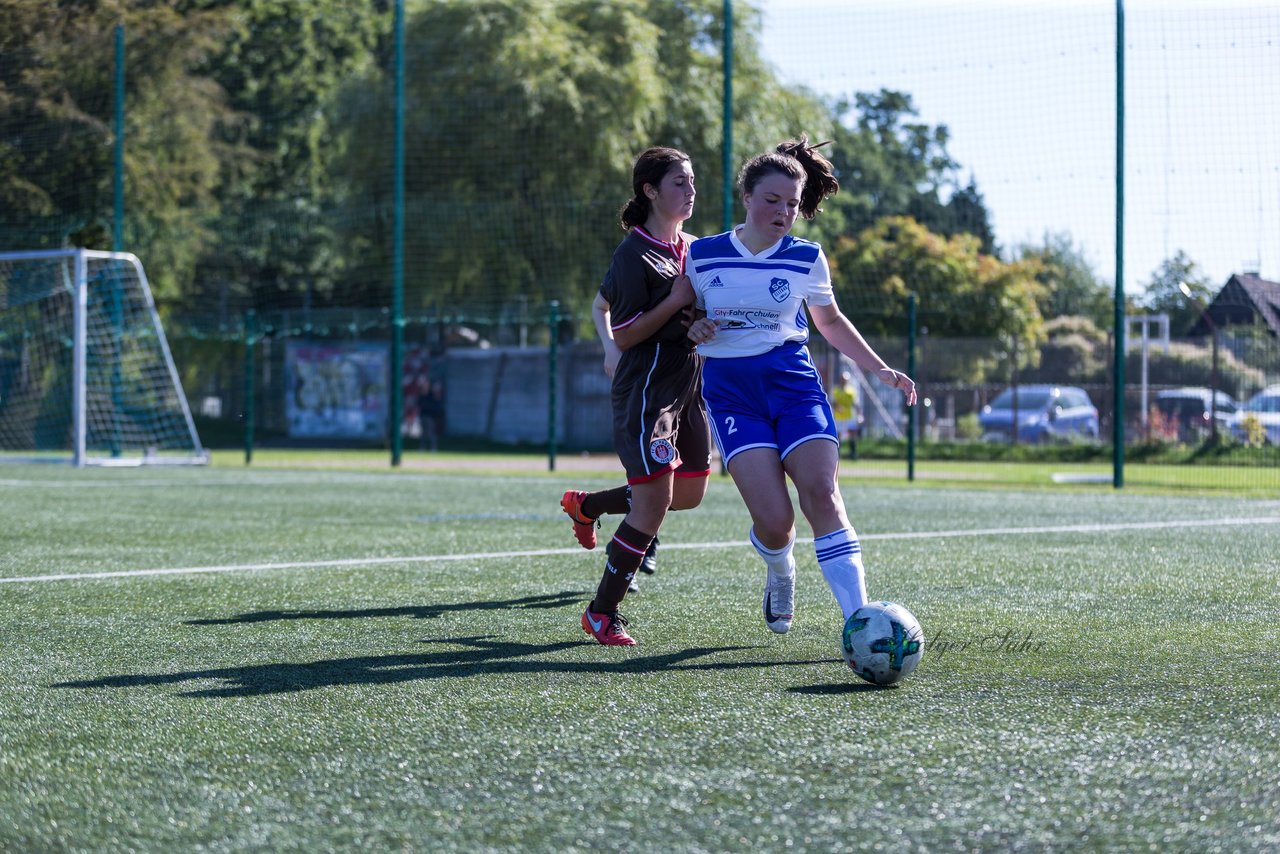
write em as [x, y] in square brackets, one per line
[553, 321]
[911, 372]
[250, 341]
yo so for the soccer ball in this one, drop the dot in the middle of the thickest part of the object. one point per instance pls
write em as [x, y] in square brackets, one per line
[882, 642]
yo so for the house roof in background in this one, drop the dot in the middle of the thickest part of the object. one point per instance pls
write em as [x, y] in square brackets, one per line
[1245, 298]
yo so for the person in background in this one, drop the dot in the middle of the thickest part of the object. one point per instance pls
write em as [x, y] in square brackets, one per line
[844, 408]
[765, 399]
[659, 426]
[430, 414]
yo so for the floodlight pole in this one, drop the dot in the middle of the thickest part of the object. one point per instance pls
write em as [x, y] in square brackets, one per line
[726, 144]
[1117, 420]
[726, 139]
[117, 220]
[397, 275]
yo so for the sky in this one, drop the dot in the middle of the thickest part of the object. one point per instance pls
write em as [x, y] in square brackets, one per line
[1028, 93]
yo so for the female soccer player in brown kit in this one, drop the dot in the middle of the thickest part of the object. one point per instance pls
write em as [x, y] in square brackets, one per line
[659, 427]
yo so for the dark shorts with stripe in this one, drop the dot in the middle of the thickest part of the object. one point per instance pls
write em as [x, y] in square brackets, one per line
[659, 424]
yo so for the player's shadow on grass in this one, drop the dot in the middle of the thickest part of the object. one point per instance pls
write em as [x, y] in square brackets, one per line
[417, 612]
[481, 656]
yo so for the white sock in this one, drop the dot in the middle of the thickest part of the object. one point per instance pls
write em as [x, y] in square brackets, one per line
[840, 556]
[780, 562]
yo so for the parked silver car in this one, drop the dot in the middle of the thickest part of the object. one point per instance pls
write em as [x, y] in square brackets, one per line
[1263, 406]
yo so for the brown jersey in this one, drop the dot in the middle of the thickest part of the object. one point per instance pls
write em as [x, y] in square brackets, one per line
[659, 424]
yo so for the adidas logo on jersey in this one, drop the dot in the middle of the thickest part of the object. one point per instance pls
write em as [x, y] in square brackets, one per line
[715, 283]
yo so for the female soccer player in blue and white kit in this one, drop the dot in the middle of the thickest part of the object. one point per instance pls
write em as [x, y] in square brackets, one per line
[765, 400]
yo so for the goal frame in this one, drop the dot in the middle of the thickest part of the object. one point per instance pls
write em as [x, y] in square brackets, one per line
[80, 457]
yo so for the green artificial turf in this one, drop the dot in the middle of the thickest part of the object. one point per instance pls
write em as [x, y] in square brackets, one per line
[326, 660]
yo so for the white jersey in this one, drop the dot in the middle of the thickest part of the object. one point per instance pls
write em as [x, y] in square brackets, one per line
[757, 301]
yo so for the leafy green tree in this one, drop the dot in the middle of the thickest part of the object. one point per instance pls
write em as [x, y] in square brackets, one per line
[891, 166]
[961, 292]
[965, 212]
[280, 70]
[1070, 285]
[1074, 350]
[690, 63]
[56, 135]
[1164, 292]
[525, 117]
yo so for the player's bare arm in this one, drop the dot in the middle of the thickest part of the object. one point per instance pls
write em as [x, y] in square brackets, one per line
[651, 321]
[600, 316]
[841, 333]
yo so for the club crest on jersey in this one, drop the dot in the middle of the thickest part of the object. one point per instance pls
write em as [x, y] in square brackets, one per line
[662, 451]
[665, 267]
[780, 289]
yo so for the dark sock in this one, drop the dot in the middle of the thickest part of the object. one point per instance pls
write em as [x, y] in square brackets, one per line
[610, 502]
[624, 553]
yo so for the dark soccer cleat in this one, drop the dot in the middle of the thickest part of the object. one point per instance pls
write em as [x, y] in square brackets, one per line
[608, 629]
[650, 560]
[584, 527]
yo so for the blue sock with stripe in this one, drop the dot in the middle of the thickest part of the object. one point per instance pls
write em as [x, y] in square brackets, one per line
[840, 556]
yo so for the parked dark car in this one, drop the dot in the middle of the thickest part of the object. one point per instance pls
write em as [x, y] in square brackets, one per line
[1190, 411]
[1046, 413]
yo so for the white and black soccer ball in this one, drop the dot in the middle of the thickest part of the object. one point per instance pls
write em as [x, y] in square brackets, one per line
[882, 642]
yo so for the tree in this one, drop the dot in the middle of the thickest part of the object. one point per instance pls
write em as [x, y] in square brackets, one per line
[1164, 292]
[961, 292]
[1074, 351]
[965, 212]
[280, 70]
[889, 166]
[1070, 285]
[56, 134]
[690, 60]
[525, 117]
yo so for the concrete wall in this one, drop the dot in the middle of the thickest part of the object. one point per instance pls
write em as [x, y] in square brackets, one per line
[503, 394]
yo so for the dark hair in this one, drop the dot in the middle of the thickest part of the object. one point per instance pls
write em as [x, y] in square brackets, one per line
[651, 167]
[797, 159]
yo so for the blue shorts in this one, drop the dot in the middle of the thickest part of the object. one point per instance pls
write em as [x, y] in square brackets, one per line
[774, 400]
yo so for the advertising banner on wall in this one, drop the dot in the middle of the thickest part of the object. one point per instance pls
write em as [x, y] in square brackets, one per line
[336, 390]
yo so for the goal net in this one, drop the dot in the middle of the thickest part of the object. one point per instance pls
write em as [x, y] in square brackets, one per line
[85, 370]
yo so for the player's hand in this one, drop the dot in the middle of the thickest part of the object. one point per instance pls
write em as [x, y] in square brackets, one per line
[702, 330]
[900, 381]
[687, 315]
[682, 290]
[612, 355]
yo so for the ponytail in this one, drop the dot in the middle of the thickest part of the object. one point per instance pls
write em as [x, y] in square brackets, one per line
[820, 179]
[651, 167]
[800, 160]
[634, 212]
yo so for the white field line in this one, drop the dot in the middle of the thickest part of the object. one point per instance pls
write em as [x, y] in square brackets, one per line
[1090, 528]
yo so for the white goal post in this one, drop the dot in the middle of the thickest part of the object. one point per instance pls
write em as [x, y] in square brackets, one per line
[86, 374]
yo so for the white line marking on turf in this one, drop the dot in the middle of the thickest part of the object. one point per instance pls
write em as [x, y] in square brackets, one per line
[1088, 528]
